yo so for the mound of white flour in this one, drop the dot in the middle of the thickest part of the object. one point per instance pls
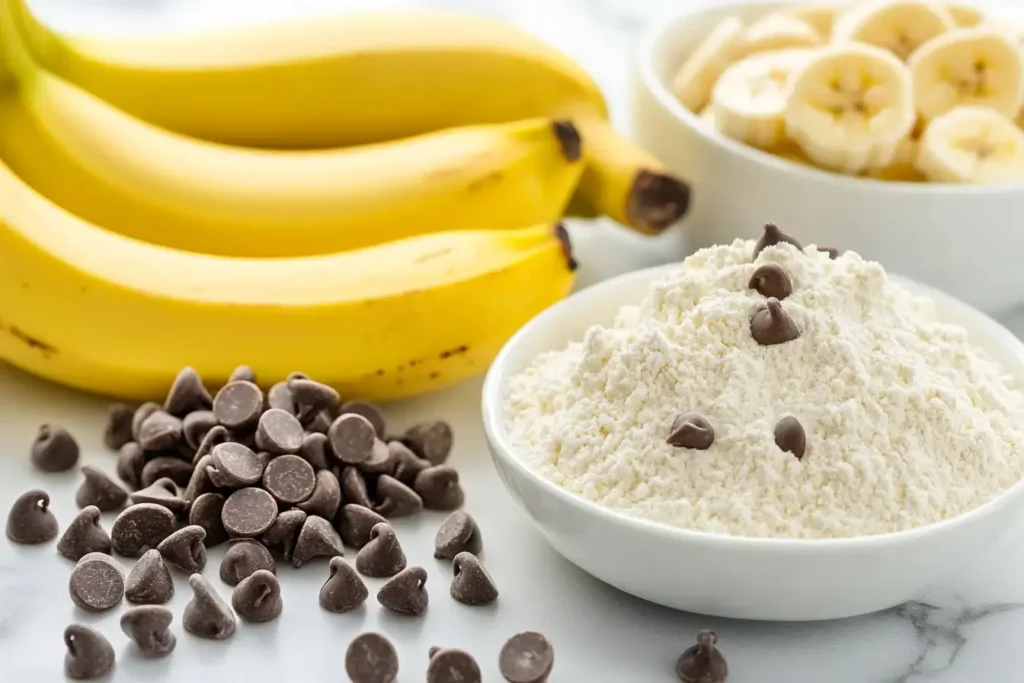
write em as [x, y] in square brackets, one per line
[907, 423]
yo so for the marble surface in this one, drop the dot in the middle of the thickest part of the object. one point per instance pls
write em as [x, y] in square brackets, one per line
[970, 631]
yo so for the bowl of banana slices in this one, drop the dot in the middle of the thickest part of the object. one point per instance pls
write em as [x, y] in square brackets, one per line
[889, 127]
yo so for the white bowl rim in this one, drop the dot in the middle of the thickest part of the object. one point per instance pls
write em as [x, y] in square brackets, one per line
[648, 43]
[494, 428]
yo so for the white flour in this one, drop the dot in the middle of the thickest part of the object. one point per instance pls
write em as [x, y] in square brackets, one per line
[906, 422]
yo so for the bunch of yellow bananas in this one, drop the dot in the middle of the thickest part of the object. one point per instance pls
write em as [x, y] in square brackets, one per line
[343, 196]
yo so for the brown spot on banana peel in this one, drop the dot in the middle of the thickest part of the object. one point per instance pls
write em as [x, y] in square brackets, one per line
[569, 138]
[492, 178]
[563, 236]
[656, 200]
[433, 255]
[32, 342]
[458, 350]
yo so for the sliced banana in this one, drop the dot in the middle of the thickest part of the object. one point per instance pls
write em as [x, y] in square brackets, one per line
[820, 17]
[850, 106]
[964, 15]
[750, 96]
[779, 31]
[707, 115]
[972, 145]
[968, 66]
[695, 79]
[900, 26]
[903, 166]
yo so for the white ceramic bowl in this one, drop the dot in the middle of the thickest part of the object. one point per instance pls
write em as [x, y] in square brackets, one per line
[965, 240]
[731, 576]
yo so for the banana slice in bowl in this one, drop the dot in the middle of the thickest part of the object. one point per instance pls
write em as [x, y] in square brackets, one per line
[900, 26]
[697, 76]
[972, 145]
[779, 31]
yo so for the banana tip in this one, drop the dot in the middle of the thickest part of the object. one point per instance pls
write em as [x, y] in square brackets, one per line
[569, 137]
[657, 200]
[563, 236]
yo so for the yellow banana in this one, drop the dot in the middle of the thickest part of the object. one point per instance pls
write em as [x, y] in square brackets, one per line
[101, 312]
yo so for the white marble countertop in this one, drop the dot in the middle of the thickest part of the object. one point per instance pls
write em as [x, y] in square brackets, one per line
[970, 631]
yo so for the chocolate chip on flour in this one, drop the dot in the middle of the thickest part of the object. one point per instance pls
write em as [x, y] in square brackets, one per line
[790, 436]
[772, 325]
[771, 280]
[772, 236]
[691, 430]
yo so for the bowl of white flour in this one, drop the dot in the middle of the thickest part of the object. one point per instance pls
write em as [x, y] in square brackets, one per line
[907, 466]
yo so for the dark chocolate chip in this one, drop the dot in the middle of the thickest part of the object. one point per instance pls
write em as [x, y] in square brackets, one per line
[149, 627]
[199, 483]
[702, 663]
[279, 432]
[353, 487]
[243, 373]
[367, 410]
[96, 583]
[314, 450]
[140, 528]
[458, 533]
[238, 405]
[379, 461]
[54, 449]
[234, 466]
[84, 535]
[187, 394]
[406, 464]
[283, 534]
[257, 597]
[439, 488]
[279, 397]
[371, 658]
[140, 416]
[691, 430]
[406, 592]
[130, 461]
[167, 467]
[430, 440]
[89, 654]
[162, 492]
[396, 499]
[311, 397]
[790, 436]
[206, 512]
[99, 490]
[316, 539]
[453, 666]
[196, 425]
[206, 614]
[290, 479]
[30, 521]
[832, 252]
[773, 325]
[526, 658]
[149, 582]
[161, 431]
[351, 437]
[471, 583]
[319, 423]
[264, 459]
[184, 549]
[118, 430]
[248, 513]
[383, 556]
[771, 280]
[242, 559]
[326, 496]
[215, 436]
[355, 522]
[344, 590]
[772, 236]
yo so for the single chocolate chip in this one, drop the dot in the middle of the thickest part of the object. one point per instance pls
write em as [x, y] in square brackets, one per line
[54, 449]
[199, 483]
[187, 394]
[196, 425]
[458, 533]
[264, 459]
[140, 416]
[353, 487]
[141, 527]
[214, 437]
[279, 397]
[351, 437]
[206, 512]
[772, 236]
[248, 513]
[771, 280]
[439, 488]
[344, 590]
[149, 582]
[453, 666]
[283, 534]
[316, 539]
[99, 490]
[406, 464]
[162, 492]
[396, 499]
[790, 436]
[118, 430]
[326, 496]
[314, 450]
[30, 521]
[526, 658]
[234, 466]
[355, 522]
[149, 627]
[206, 614]
[257, 597]
[242, 559]
[430, 440]
[367, 410]
[84, 535]
[130, 461]
[319, 423]
[243, 373]
[290, 479]
[167, 467]
[383, 556]
[379, 461]
[311, 397]
[702, 663]
[161, 431]
[371, 658]
[691, 430]
[406, 592]
[184, 549]
[471, 583]
[279, 432]
[238, 405]
[97, 582]
[89, 654]
[773, 325]
[832, 252]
